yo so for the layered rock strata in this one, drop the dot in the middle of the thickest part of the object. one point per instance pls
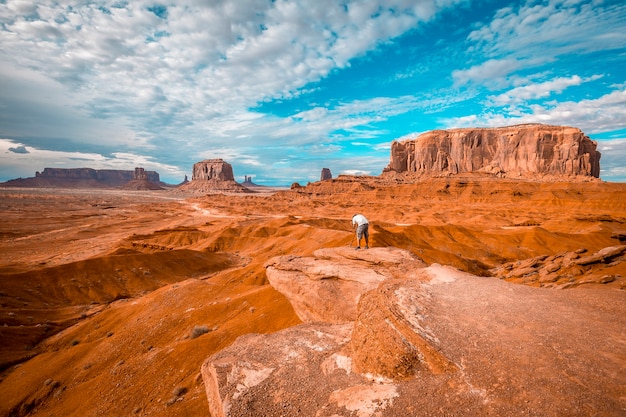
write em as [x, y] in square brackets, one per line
[212, 169]
[213, 175]
[567, 269]
[522, 150]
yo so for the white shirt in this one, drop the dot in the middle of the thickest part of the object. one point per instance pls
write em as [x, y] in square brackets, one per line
[359, 219]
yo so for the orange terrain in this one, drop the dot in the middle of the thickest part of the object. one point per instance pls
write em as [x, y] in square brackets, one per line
[111, 300]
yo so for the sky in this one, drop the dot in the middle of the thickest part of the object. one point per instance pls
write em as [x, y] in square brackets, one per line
[283, 88]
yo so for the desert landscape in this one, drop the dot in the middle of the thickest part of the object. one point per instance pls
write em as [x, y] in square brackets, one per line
[482, 294]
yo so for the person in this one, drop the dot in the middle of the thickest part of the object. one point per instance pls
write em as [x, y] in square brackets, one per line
[362, 226]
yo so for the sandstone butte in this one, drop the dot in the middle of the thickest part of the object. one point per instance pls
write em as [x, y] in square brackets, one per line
[481, 295]
[213, 175]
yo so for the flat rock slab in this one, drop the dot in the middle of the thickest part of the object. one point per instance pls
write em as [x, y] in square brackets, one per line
[327, 287]
[506, 349]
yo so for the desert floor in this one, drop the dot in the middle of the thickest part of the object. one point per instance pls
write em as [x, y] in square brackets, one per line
[111, 300]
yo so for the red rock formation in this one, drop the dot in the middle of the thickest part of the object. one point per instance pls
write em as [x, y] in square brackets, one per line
[424, 341]
[113, 177]
[211, 169]
[213, 175]
[533, 149]
[82, 178]
[326, 174]
[140, 174]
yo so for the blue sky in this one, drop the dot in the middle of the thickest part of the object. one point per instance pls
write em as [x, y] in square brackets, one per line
[282, 89]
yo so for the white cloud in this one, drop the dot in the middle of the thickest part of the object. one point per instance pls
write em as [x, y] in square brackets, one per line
[538, 90]
[537, 35]
[220, 56]
[35, 106]
[612, 160]
[552, 28]
[604, 114]
[488, 71]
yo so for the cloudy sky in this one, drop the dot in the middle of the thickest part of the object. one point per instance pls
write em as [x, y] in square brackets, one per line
[283, 88]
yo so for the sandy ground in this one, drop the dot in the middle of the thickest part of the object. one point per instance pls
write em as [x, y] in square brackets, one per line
[111, 300]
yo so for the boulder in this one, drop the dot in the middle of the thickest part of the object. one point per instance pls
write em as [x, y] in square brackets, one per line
[389, 338]
[322, 289]
[567, 269]
[521, 150]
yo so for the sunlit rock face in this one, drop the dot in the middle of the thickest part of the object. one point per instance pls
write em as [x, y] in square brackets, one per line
[522, 150]
[213, 175]
[210, 169]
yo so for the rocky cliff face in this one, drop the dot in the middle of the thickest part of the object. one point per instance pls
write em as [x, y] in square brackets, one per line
[114, 177]
[213, 169]
[520, 150]
[213, 175]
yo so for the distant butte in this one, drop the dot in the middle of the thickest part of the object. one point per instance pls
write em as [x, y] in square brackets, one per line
[213, 175]
[529, 150]
[83, 178]
[141, 182]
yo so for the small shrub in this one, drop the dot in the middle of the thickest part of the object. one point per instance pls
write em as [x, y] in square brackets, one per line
[198, 331]
[177, 395]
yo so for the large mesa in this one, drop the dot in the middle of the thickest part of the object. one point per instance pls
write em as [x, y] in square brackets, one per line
[83, 178]
[513, 151]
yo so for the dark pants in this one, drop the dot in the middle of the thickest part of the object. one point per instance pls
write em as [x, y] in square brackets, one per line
[362, 231]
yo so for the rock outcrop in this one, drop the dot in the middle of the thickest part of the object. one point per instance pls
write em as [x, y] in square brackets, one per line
[326, 174]
[385, 335]
[320, 289]
[213, 175]
[82, 178]
[567, 269]
[522, 150]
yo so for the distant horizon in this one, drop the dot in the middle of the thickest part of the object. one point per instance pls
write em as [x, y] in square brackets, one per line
[282, 89]
[271, 184]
